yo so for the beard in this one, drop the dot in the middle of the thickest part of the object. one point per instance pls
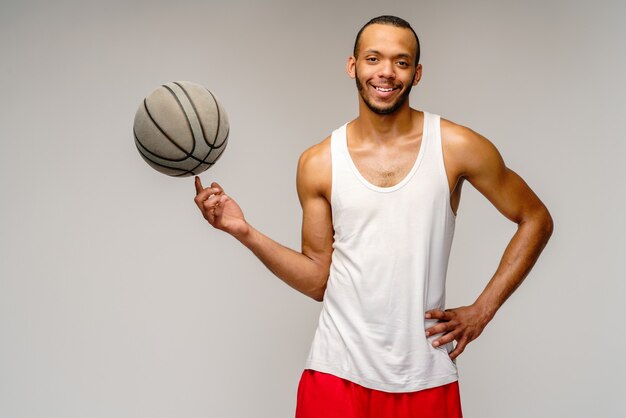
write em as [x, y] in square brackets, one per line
[381, 110]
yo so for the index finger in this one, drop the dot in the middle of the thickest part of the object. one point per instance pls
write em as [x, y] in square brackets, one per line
[198, 185]
[435, 314]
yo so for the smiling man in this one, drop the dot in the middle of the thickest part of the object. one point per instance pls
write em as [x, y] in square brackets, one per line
[379, 199]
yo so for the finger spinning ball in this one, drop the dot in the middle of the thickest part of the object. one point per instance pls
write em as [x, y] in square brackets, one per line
[181, 129]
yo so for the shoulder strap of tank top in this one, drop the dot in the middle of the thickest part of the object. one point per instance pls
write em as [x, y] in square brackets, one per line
[338, 136]
[434, 133]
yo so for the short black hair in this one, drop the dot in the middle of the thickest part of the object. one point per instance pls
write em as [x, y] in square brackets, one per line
[392, 21]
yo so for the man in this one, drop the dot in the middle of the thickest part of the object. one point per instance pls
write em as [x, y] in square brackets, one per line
[379, 199]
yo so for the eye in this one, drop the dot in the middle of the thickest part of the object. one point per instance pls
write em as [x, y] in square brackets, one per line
[403, 63]
[371, 59]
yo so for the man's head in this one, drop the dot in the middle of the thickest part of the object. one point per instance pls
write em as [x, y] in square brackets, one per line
[385, 64]
[392, 21]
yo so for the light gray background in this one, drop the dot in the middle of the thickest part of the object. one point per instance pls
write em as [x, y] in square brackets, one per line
[117, 300]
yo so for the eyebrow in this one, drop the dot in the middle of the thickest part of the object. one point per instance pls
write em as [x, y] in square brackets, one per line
[374, 51]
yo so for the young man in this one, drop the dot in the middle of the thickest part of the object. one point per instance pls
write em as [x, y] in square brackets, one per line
[379, 199]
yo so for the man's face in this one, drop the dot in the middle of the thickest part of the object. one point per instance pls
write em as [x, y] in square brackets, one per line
[385, 68]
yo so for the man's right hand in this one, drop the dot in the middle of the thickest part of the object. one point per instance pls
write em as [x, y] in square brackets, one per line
[219, 210]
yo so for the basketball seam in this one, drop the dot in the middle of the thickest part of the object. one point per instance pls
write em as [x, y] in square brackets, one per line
[217, 130]
[204, 138]
[193, 137]
[193, 105]
[186, 157]
[145, 105]
[184, 172]
[207, 156]
[219, 121]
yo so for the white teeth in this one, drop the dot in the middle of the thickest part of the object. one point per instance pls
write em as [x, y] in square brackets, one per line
[383, 89]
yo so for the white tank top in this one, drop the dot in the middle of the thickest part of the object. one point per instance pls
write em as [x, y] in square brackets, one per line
[388, 268]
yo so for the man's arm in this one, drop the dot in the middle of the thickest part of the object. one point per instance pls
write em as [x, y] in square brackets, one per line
[306, 271]
[477, 160]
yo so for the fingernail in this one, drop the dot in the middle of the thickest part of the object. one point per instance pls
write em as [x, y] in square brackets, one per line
[427, 316]
[427, 333]
[436, 343]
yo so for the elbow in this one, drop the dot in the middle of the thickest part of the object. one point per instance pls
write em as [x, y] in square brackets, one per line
[318, 293]
[547, 225]
[317, 282]
[540, 223]
[544, 224]
[318, 297]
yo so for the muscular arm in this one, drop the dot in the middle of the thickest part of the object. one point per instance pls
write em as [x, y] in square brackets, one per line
[478, 161]
[306, 271]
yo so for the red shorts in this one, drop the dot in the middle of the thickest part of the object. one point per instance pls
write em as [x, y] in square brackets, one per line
[322, 395]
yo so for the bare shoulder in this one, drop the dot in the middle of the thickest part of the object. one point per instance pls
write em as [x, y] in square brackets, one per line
[466, 151]
[315, 170]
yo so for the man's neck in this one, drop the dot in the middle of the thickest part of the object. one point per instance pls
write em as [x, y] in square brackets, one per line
[384, 128]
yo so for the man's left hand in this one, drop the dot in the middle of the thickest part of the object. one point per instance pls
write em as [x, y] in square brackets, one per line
[462, 325]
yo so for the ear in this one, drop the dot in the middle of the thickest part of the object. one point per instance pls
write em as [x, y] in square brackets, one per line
[351, 66]
[418, 74]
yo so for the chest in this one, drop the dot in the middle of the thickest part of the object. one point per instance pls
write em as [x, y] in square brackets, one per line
[386, 166]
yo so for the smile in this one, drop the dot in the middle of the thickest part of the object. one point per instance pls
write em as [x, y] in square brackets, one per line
[384, 89]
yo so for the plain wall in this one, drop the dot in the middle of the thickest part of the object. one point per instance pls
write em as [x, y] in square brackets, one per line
[118, 300]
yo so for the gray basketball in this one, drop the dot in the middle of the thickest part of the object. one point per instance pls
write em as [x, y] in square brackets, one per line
[181, 129]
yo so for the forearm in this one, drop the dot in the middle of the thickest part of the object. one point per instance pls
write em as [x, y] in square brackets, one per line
[519, 257]
[298, 270]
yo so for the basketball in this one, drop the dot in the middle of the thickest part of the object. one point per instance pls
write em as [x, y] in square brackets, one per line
[181, 129]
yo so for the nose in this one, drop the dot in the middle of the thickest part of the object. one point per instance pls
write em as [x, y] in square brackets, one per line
[387, 69]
